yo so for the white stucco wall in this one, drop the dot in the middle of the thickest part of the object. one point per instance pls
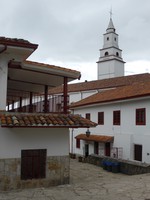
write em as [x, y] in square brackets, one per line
[128, 133]
[110, 68]
[3, 82]
[13, 140]
[77, 96]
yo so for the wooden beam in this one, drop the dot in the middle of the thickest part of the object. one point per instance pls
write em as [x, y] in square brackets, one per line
[29, 82]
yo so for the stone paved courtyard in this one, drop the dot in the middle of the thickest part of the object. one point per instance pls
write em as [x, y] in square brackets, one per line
[89, 182]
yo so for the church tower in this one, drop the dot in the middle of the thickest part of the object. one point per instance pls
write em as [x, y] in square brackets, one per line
[110, 62]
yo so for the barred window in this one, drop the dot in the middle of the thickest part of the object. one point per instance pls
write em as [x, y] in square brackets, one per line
[141, 116]
[116, 117]
[78, 143]
[101, 118]
[88, 116]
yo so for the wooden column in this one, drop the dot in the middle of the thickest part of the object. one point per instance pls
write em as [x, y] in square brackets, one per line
[8, 106]
[65, 94]
[46, 108]
[30, 103]
[20, 104]
[13, 102]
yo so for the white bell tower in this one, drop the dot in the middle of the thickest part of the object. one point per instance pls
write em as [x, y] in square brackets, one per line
[110, 62]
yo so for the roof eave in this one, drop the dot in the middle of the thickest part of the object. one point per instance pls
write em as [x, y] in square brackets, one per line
[3, 126]
[72, 75]
[107, 101]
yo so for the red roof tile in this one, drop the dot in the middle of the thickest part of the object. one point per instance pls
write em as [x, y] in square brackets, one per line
[95, 138]
[17, 42]
[103, 84]
[136, 90]
[44, 120]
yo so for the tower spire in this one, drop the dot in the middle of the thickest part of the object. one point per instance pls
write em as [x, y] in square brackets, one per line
[111, 12]
[110, 25]
[110, 62]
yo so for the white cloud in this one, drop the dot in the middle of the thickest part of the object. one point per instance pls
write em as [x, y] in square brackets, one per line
[137, 67]
[70, 32]
[88, 69]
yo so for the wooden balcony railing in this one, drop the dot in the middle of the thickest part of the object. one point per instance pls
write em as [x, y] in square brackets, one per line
[54, 104]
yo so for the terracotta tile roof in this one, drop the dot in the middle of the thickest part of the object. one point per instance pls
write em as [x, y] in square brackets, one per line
[17, 42]
[135, 90]
[103, 84]
[44, 120]
[95, 138]
[78, 74]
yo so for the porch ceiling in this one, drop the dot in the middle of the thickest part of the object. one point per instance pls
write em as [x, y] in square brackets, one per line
[95, 138]
[32, 76]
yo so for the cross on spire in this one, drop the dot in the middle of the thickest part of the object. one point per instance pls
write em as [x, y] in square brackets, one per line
[111, 13]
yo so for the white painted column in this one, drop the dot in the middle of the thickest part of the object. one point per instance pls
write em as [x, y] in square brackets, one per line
[3, 82]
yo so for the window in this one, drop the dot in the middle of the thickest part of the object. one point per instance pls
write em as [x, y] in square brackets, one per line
[33, 164]
[141, 116]
[101, 118]
[107, 38]
[116, 117]
[115, 39]
[106, 53]
[88, 116]
[117, 54]
[78, 143]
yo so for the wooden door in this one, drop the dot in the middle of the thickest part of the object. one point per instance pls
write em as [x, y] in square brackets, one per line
[107, 149]
[86, 150]
[96, 148]
[138, 152]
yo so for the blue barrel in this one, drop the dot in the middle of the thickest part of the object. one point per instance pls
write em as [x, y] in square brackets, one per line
[115, 167]
[109, 166]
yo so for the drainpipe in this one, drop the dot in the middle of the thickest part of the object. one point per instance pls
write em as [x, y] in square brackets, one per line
[72, 133]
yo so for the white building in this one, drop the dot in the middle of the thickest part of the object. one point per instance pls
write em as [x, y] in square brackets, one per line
[128, 139]
[34, 142]
[123, 116]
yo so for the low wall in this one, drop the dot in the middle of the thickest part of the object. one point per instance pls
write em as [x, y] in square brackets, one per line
[57, 173]
[125, 166]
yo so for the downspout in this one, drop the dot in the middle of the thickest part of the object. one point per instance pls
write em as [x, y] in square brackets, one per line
[72, 134]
